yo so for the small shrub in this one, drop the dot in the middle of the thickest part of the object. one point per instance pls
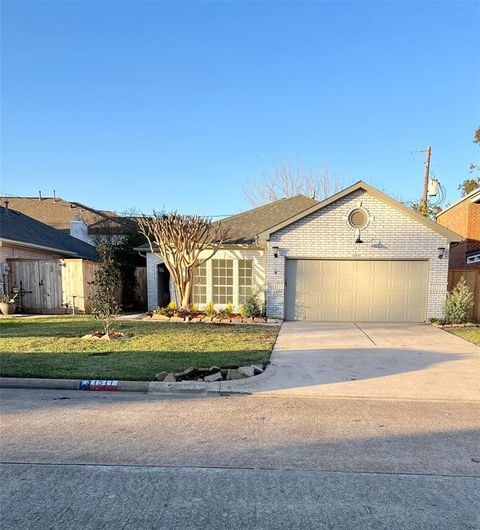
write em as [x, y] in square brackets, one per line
[194, 308]
[161, 311]
[229, 310]
[172, 306]
[210, 310]
[459, 303]
[253, 306]
[106, 283]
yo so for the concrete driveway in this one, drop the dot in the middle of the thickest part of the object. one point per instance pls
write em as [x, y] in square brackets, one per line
[368, 360]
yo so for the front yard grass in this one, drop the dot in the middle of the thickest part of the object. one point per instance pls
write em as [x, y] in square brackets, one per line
[470, 334]
[52, 348]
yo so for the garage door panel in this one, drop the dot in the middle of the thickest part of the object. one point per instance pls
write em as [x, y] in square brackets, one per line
[361, 290]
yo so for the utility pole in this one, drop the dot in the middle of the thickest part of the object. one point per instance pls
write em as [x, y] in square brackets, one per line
[426, 178]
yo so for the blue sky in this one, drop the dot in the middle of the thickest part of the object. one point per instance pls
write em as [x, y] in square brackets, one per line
[179, 105]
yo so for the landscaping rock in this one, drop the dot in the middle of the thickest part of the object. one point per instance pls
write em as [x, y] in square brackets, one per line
[161, 376]
[196, 319]
[185, 373]
[233, 373]
[237, 320]
[215, 369]
[247, 371]
[259, 320]
[169, 378]
[217, 376]
[208, 319]
[105, 337]
[257, 368]
[177, 319]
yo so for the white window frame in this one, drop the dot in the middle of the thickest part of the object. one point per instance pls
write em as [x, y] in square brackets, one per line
[236, 279]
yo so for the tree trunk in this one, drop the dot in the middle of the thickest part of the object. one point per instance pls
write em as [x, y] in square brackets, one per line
[187, 294]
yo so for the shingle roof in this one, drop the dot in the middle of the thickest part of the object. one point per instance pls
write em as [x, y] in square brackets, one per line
[15, 226]
[243, 228]
[58, 213]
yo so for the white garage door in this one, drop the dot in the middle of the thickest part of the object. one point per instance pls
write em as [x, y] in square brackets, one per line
[355, 290]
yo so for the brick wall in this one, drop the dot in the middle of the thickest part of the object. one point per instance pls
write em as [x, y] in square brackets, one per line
[326, 234]
[464, 219]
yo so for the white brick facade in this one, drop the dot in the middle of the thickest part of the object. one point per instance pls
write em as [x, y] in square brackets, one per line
[326, 233]
[259, 268]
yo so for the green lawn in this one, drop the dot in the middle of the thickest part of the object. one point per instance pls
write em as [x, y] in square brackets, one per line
[51, 347]
[470, 334]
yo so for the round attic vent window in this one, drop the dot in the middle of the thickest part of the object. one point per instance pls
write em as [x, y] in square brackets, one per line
[358, 218]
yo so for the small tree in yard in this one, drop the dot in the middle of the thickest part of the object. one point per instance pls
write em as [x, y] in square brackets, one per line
[178, 240]
[106, 285]
[459, 303]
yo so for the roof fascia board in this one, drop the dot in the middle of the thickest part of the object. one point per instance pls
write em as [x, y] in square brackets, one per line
[474, 196]
[36, 247]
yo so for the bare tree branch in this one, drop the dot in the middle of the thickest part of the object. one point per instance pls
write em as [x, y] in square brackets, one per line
[179, 240]
[287, 180]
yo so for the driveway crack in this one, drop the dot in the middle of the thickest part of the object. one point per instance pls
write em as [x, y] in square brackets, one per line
[365, 333]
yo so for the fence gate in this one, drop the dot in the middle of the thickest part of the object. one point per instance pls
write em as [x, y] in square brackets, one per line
[42, 283]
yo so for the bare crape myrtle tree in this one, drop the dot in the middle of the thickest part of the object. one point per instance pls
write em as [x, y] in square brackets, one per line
[179, 240]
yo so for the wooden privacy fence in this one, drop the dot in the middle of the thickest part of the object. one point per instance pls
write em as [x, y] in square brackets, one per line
[53, 286]
[472, 277]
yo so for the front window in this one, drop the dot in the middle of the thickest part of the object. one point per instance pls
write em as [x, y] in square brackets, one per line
[222, 281]
[245, 279]
[200, 285]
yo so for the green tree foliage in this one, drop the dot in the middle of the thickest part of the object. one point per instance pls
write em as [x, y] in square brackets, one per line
[106, 287]
[459, 303]
[432, 211]
[476, 138]
[127, 260]
[468, 185]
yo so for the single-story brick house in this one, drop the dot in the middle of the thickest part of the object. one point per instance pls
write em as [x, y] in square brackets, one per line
[358, 255]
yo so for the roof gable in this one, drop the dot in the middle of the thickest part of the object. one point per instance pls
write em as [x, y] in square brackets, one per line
[445, 232]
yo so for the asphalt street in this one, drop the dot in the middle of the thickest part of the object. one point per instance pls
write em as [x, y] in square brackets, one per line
[89, 460]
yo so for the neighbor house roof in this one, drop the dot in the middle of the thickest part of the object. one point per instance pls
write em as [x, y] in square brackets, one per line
[20, 229]
[59, 213]
[445, 232]
[243, 228]
[473, 196]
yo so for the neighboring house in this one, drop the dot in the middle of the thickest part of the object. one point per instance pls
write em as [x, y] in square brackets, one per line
[88, 225]
[356, 256]
[463, 217]
[45, 266]
[73, 218]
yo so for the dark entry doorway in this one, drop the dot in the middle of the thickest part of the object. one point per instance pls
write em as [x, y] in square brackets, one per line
[163, 282]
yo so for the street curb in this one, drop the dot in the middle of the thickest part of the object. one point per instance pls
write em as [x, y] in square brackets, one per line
[147, 387]
[70, 384]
